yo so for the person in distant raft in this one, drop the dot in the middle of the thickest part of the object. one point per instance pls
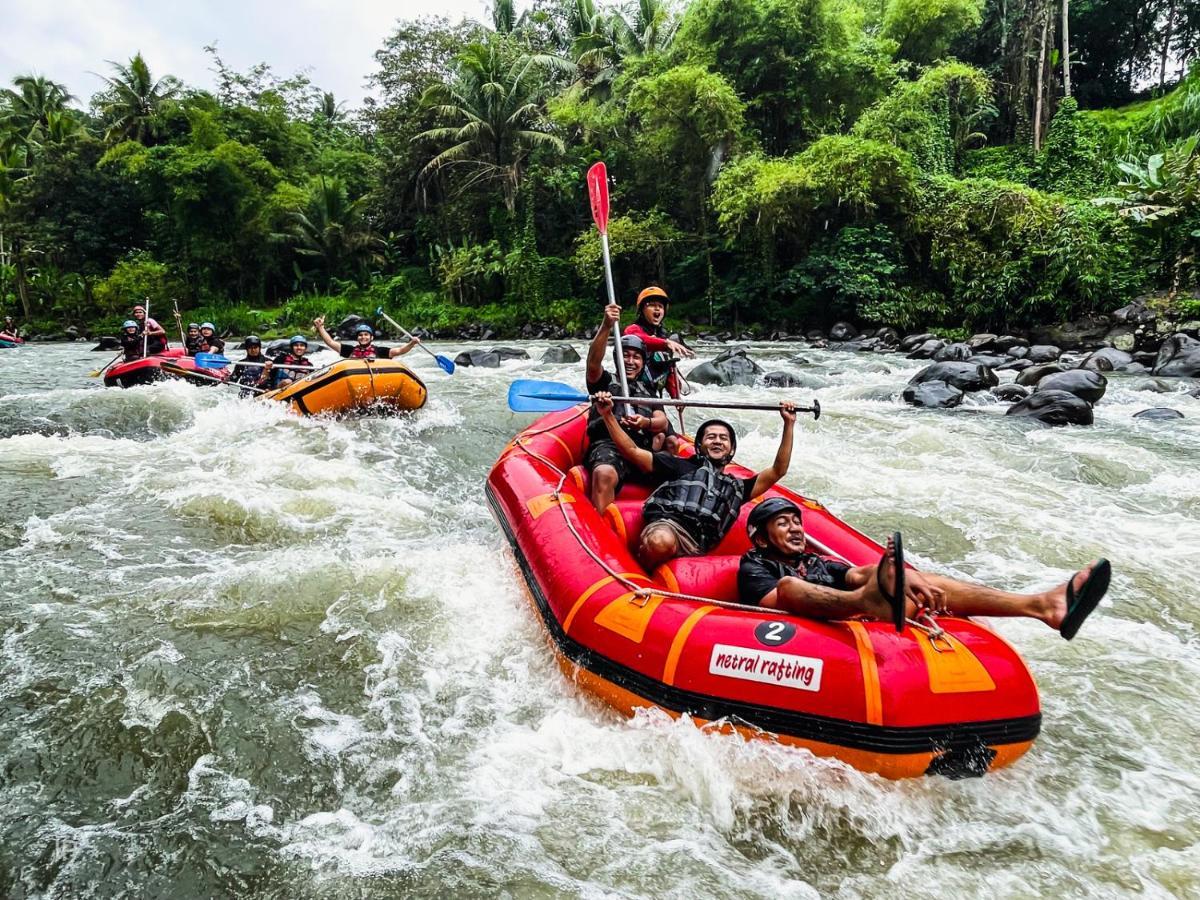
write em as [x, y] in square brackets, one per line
[778, 573]
[209, 341]
[608, 466]
[10, 332]
[698, 502]
[252, 375]
[131, 340]
[295, 356]
[156, 337]
[192, 342]
[364, 346]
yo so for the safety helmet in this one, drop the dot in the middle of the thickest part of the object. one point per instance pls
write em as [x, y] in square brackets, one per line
[732, 434]
[252, 340]
[768, 510]
[129, 323]
[139, 306]
[363, 326]
[653, 292]
[298, 339]
[633, 342]
[192, 326]
[209, 325]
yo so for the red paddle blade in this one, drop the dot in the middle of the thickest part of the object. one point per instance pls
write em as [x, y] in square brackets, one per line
[597, 182]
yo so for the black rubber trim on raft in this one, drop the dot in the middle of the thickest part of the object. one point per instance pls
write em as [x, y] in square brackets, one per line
[330, 379]
[805, 726]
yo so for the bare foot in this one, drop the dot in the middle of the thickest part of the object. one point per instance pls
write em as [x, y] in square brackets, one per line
[1054, 601]
[874, 599]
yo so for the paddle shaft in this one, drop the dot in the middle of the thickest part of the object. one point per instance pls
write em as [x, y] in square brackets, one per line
[246, 362]
[107, 365]
[404, 331]
[179, 322]
[190, 373]
[146, 332]
[815, 409]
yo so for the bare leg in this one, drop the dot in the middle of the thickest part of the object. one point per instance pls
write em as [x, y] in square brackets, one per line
[657, 546]
[819, 602]
[966, 599]
[604, 486]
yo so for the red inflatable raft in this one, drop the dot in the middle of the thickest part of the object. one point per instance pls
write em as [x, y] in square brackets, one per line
[171, 363]
[901, 705]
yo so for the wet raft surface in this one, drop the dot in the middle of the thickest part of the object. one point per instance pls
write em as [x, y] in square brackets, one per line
[248, 652]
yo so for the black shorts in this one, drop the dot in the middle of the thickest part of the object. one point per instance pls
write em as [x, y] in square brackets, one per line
[605, 453]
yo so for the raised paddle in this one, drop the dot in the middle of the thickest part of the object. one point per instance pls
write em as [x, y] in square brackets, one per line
[447, 365]
[597, 183]
[529, 395]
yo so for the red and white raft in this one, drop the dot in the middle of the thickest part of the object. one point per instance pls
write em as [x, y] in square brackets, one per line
[899, 705]
[171, 363]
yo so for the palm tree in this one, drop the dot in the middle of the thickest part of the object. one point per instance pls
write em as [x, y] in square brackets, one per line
[493, 107]
[14, 164]
[332, 233]
[30, 107]
[649, 29]
[504, 16]
[136, 100]
[329, 113]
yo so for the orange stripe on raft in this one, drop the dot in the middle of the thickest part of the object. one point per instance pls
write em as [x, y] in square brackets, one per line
[870, 671]
[681, 637]
[542, 502]
[667, 576]
[583, 598]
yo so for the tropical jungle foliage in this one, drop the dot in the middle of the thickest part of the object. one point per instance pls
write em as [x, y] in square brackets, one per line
[786, 162]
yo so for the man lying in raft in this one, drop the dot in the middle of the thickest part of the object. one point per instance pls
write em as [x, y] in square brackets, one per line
[698, 502]
[295, 356]
[609, 468]
[779, 574]
[364, 346]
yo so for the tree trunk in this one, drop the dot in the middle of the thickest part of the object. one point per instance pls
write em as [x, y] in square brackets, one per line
[1066, 47]
[1166, 45]
[22, 284]
[1041, 75]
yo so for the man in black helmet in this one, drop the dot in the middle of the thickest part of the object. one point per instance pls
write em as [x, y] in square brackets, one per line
[698, 502]
[608, 467]
[779, 573]
[254, 374]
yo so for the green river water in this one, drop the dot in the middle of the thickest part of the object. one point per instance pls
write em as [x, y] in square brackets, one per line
[246, 654]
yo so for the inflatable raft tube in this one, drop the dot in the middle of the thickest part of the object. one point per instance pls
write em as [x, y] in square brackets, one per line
[899, 705]
[354, 385]
[146, 369]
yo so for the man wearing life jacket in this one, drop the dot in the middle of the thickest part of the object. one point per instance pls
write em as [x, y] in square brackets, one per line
[131, 340]
[156, 337]
[661, 351]
[778, 572]
[295, 356]
[192, 342]
[698, 502]
[209, 342]
[252, 375]
[364, 346]
[608, 466]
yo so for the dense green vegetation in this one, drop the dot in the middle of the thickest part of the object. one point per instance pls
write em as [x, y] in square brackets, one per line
[908, 162]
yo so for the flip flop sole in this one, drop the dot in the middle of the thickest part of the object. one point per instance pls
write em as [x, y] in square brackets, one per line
[1080, 605]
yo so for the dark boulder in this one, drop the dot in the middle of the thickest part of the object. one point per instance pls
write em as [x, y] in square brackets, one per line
[800, 360]
[282, 345]
[108, 343]
[1195, 393]
[932, 395]
[1158, 414]
[1010, 392]
[1082, 334]
[730, 368]
[1136, 313]
[1016, 365]
[1007, 343]
[962, 375]
[1042, 353]
[1083, 383]
[1019, 352]
[843, 331]
[1152, 385]
[345, 328]
[986, 359]
[978, 342]
[510, 353]
[814, 334]
[781, 379]
[1053, 408]
[1033, 374]
[1135, 368]
[856, 346]
[877, 368]
[1178, 357]
[927, 349]
[888, 337]
[484, 359]
[561, 353]
[913, 341]
[953, 353]
[1107, 359]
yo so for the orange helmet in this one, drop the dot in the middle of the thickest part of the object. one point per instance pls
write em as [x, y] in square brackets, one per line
[652, 292]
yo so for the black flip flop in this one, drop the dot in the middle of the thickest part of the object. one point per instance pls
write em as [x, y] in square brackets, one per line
[896, 599]
[1080, 605]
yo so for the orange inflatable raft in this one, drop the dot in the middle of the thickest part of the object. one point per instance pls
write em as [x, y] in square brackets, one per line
[354, 385]
[956, 701]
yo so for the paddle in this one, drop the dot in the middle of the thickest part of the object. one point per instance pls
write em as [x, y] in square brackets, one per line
[529, 395]
[179, 322]
[597, 182]
[146, 331]
[98, 372]
[216, 361]
[189, 373]
[446, 364]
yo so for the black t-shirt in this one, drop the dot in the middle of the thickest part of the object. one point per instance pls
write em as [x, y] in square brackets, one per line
[758, 574]
[597, 430]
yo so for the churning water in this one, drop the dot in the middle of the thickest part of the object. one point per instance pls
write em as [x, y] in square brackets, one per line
[250, 654]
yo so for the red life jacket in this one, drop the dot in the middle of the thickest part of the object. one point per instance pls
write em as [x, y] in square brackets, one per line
[368, 352]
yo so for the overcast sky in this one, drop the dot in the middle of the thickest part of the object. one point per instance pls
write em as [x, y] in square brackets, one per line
[332, 40]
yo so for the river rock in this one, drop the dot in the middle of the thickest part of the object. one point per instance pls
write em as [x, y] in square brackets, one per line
[1135, 368]
[1007, 343]
[730, 368]
[345, 328]
[1033, 374]
[1019, 352]
[888, 336]
[978, 342]
[1011, 392]
[843, 331]
[962, 375]
[913, 341]
[952, 353]
[932, 395]
[1122, 337]
[1152, 385]
[987, 359]
[927, 349]
[1107, 359]
[561, 353]
[1083, 383]
[1016, 365]
[1136, 313]
[800, 360]
[1178, 357]
[484, 359]
[781, 379]
[1158, 414]
[1082, 334]
[510, 353]
[815, 335]
[1053, 408]
[877, 368]
[107, 343]
[1042, 353]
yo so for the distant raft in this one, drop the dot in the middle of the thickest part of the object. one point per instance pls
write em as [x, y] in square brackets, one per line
[171, 363]
[354, 385]
[957, 703]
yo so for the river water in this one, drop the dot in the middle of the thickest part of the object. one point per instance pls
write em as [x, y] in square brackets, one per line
[250, 654]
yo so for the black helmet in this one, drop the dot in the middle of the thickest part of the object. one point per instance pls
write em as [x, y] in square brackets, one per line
[252, 340]
[768, 510]
[722, 422]
[633, 342]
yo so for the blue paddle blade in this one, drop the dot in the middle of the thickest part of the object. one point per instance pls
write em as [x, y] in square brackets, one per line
[529, 395]
[210, 361]
[446, 364]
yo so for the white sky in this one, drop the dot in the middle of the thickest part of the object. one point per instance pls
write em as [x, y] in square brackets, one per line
[333, 42]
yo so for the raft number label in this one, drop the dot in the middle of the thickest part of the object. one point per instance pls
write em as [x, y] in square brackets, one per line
[767, 667]
[774, 633]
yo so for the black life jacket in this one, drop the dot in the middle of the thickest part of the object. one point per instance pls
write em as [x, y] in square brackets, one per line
[194, 345]
[132, 345]
[248, 374]
[598, 431]
[706, 501]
